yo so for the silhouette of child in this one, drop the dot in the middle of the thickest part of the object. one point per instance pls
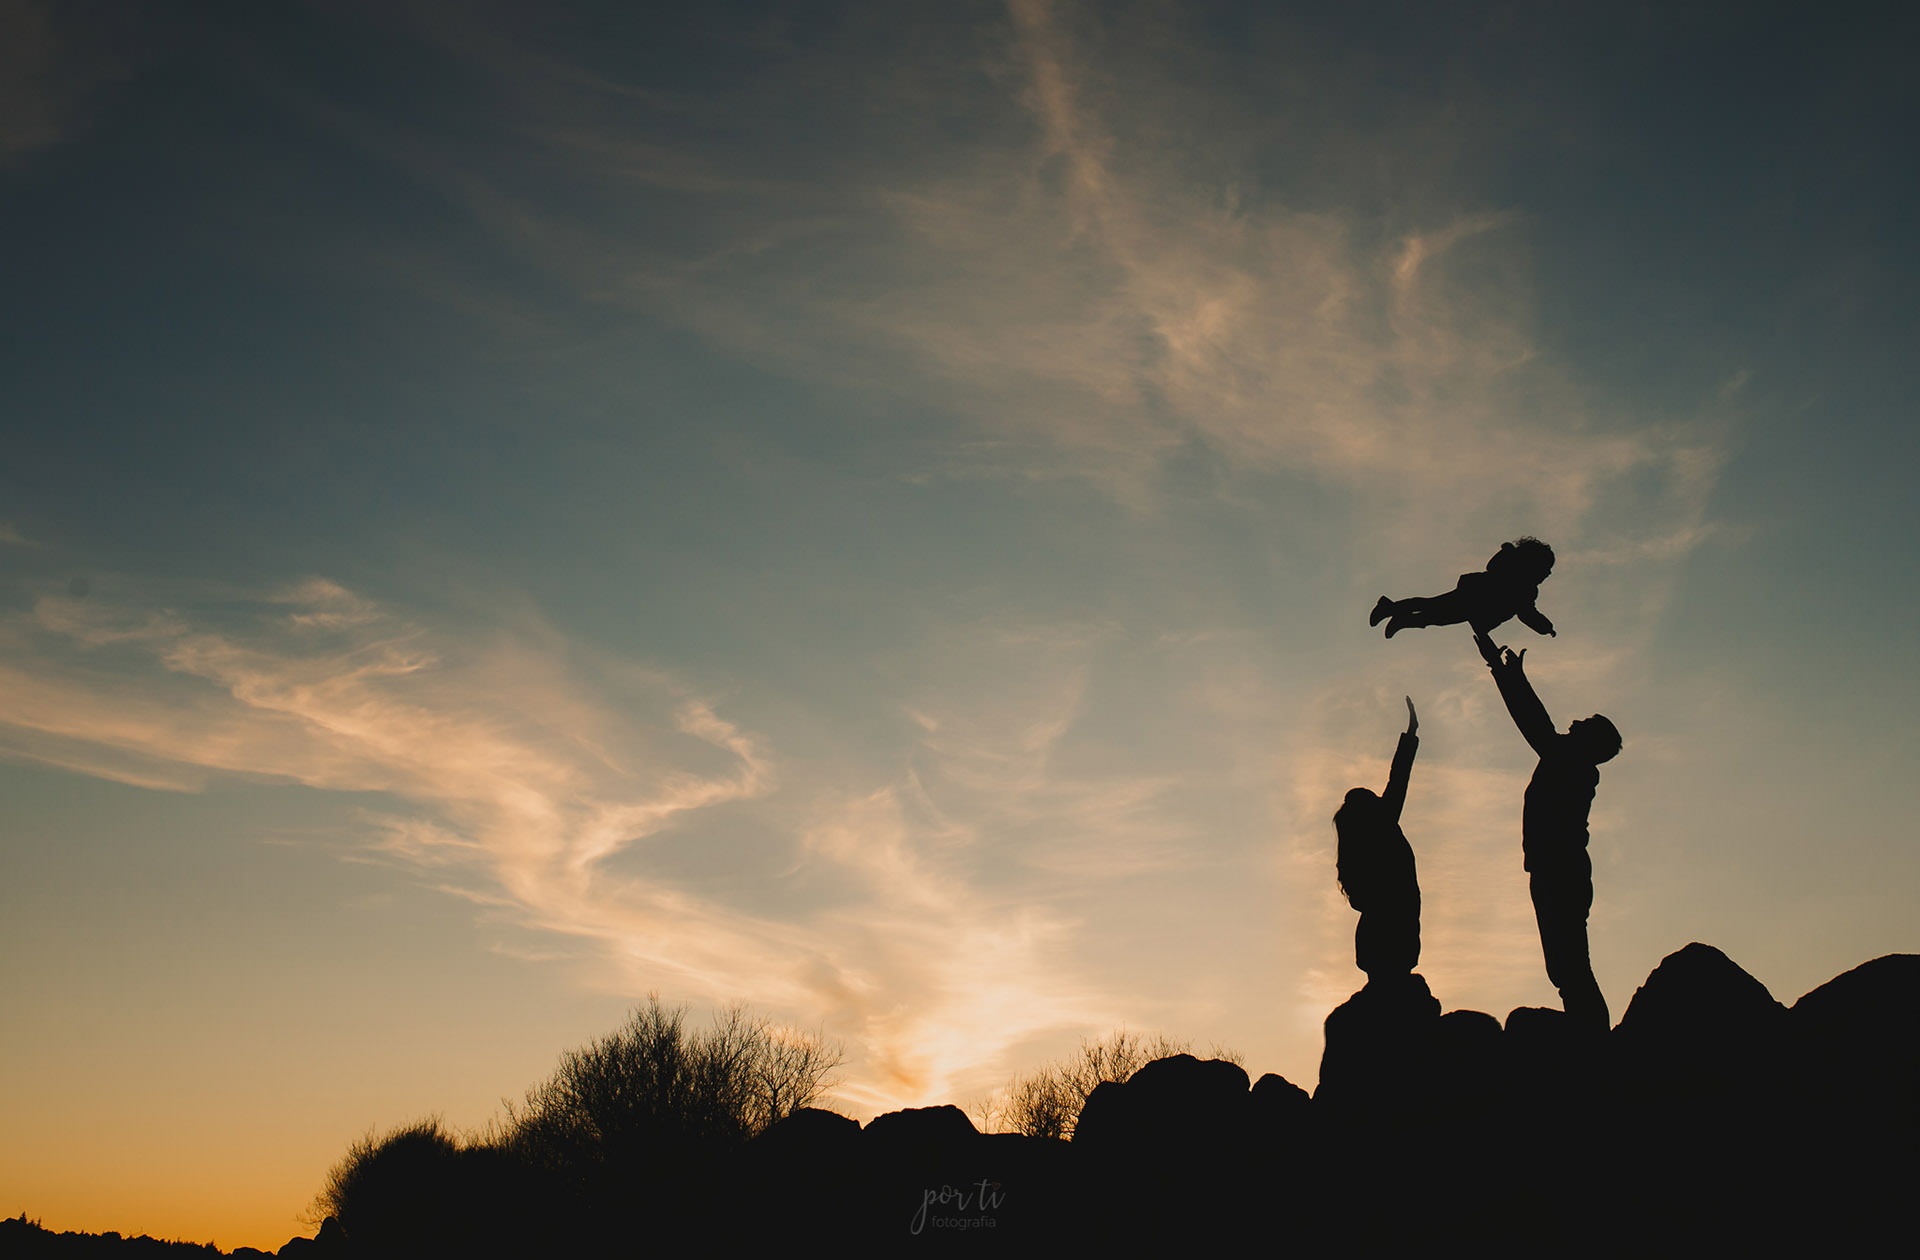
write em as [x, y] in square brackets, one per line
[1374, 866]
[1506, 588]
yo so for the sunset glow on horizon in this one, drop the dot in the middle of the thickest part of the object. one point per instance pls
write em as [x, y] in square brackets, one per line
[870, 511]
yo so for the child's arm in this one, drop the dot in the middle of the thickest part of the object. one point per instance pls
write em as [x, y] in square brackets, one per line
[1528, 714]
[1535, 620]
[1395, 797]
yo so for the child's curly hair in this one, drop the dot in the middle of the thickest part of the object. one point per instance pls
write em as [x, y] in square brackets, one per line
[1523, 556]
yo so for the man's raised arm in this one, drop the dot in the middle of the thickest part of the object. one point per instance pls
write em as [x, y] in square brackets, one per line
[1528, 714]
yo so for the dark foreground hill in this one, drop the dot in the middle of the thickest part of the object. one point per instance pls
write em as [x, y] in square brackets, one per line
[1712, 1117]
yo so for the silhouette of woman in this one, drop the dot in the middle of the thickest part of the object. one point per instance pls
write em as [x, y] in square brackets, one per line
[1374, 865]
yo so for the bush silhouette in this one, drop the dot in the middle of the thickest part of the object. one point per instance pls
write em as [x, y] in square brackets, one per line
[400, 1190]
[653, 1107]
[654, 1095]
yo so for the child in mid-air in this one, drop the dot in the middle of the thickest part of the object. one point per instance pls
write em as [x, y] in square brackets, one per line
[1506, 588]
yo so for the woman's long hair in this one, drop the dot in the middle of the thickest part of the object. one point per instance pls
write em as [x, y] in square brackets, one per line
[1354, 826]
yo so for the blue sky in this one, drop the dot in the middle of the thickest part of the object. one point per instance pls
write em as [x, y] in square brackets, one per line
[869, 510]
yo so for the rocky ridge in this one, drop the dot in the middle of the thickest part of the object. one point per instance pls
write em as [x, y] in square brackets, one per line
[1711, 1116]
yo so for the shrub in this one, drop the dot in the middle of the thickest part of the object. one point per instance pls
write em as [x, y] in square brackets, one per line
[646, 1109]
[390, 1190]
[655, 1094]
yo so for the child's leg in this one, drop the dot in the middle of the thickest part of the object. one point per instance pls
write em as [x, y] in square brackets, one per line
[1441, 610]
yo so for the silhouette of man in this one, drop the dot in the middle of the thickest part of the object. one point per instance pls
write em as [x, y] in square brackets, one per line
[1554, 831]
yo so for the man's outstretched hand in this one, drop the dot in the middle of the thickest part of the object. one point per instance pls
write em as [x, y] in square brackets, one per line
[1413, 719]
[1498, 658]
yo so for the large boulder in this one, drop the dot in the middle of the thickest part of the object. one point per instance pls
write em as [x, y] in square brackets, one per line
[919, 1131]
[1470, 1061]
[1856, 1039]
[1277, 1106]
[1180, 1107]
[918, 1169]
[801, 1150]
[1181, 1080]
[1701, 1030]
[1701, 1099]
[1380, 1045]
[1699, 1001]
[809, 1134]
[1876, 1006]
[1161, 1154]
[920, 1128]
[1555, 1108]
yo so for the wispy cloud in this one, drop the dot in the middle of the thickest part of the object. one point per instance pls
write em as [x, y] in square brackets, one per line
[1081, 296]
[1101, 304]
[528, 795]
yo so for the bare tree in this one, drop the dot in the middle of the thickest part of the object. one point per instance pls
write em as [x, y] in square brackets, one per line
[1040, 1105]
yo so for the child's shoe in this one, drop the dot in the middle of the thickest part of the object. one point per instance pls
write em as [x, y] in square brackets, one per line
[1381, 611]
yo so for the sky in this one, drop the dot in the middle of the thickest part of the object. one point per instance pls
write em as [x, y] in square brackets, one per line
[870, 510]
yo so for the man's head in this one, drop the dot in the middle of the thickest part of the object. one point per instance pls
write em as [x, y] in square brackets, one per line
[1597, 738]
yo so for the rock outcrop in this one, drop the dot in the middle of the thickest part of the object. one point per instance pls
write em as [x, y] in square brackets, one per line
[1712, 1119]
